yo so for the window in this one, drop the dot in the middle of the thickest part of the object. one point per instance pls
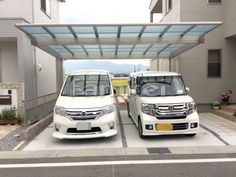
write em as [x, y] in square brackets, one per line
[87, 85]
[168, 5]
[46, 6]
[214, 1]
[214, 63]
[156, 86]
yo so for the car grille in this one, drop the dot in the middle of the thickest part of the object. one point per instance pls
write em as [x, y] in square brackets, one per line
[76, 114]
[171, 111]
[93, 130]
[180, 126]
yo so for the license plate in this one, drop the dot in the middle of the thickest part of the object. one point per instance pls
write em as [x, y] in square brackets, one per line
[164, 127]
[83, 126]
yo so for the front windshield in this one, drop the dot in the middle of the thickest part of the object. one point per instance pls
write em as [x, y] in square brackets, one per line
[161, 86]
[87, 85]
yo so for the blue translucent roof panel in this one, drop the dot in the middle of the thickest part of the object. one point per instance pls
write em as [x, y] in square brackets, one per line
[179, 28]
[154, 29]
[203, 28]
[114, 41]
[41, 36]
[83, 29]
[131, 29]
[35, 30]
[107, 29]
[59, 30]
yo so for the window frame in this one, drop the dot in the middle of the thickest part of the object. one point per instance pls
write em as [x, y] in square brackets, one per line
[168, 9]
[214, 77]
[45, 10]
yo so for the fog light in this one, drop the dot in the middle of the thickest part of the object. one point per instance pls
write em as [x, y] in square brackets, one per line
[149, 127]
[194, 125]
[111, 125]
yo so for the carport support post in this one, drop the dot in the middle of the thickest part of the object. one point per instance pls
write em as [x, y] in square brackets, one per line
[170, 64]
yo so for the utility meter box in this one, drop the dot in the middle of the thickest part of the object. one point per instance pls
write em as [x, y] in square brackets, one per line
[8, 99]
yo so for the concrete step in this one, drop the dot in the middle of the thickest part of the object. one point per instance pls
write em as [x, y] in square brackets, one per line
[225, 114]
[229, 108]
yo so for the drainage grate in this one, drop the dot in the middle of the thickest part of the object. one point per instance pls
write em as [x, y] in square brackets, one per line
[158, 151]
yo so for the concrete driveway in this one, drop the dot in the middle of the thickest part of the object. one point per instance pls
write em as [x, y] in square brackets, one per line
[214, 131]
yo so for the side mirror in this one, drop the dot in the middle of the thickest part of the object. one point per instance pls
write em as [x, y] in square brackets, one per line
[187, 89]
[133, 92]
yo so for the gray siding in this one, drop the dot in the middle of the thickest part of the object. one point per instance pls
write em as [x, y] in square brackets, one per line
[25, 60]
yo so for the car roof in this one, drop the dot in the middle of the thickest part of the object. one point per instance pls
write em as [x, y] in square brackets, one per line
[153, 73]
[90, 72]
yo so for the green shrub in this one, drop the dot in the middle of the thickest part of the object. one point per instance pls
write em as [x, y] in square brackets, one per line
[0, 116]
[8, 114]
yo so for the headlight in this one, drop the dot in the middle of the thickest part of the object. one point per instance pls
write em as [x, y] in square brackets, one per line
[192, 107]
[108, 109]
[60, 111]
[148, 109]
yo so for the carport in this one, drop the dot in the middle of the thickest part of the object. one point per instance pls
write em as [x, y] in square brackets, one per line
[117, 41]
[122, 41]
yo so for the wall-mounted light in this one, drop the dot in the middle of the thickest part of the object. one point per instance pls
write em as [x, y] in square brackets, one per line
[39, 67]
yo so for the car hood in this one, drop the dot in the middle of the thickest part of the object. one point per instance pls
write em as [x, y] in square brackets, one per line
[167, 99]
[85, 102]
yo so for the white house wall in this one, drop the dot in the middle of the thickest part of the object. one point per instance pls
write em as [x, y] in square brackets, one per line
[193, 63]
[41, 17]
[8, 59]
[16, 9]
[174, 14]
[25, 62]
[46, 77]
[229, 18]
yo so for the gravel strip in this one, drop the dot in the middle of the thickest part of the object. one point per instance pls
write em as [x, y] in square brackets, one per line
[8, 142]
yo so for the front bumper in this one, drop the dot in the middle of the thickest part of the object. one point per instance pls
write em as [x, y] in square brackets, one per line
[150, 120]
[63, 124]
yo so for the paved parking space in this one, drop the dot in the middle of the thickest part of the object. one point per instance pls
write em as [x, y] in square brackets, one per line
[214, 131]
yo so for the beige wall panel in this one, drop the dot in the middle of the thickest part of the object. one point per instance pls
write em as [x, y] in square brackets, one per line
[8, 61]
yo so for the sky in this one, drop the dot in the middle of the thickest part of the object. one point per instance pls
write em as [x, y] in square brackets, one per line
[107, 11]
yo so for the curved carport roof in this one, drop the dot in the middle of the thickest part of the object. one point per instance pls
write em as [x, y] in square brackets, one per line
[117, 41]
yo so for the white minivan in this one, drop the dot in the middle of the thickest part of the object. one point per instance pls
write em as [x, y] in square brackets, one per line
[159, 104]
[86, 107]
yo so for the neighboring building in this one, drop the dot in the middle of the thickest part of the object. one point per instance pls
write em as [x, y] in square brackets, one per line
[208, 69]
[20, 62]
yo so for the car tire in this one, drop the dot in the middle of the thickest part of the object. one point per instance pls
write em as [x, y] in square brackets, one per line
[140, 129]
[191, 135]
[128, 110]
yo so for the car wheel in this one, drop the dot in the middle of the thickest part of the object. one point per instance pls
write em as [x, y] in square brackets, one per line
[128, 110]
[140, 129]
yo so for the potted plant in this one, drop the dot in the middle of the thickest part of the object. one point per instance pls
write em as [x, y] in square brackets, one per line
[8, 116]
[225, 96]
[215, 105]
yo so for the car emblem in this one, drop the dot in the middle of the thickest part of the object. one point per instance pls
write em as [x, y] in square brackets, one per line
[171, 108]
[83, 114]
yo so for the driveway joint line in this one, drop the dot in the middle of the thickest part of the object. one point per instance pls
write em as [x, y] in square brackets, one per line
[122, 131]
[215, 134]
